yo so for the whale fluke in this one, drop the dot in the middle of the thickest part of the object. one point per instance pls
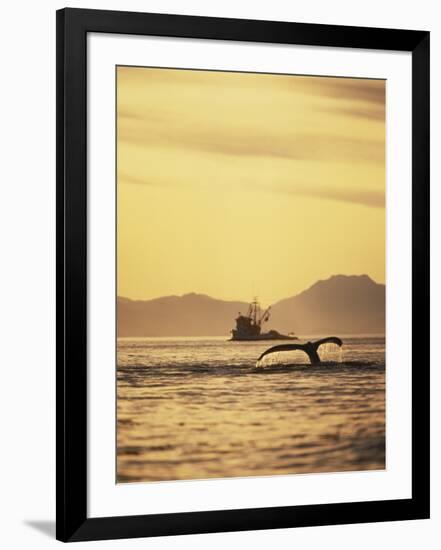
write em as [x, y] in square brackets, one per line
[310, 348]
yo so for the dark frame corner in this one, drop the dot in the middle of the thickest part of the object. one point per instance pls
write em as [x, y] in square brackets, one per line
[71, 428]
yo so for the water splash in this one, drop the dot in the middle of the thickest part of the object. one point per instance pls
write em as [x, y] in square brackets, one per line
[340, 355]
[331, 353]
[270, 360]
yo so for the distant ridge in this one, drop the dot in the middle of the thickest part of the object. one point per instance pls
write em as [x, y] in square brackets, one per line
[342, 304]
[188, 315]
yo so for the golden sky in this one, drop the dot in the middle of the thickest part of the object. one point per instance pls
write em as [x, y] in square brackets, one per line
[235, 184]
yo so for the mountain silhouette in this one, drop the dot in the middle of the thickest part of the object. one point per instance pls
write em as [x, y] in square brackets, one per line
[342, 304]
[187, 315]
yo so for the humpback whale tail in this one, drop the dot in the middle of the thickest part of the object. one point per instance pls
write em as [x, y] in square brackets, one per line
[310, 348]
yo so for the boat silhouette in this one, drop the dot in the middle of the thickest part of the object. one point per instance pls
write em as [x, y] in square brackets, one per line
[249, 326]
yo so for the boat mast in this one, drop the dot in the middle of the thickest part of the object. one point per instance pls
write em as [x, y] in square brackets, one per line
[255, 311]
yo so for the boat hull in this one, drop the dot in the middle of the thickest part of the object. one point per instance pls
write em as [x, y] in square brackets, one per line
[261, 337]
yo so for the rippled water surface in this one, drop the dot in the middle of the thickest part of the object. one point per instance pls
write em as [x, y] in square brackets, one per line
[196, 408]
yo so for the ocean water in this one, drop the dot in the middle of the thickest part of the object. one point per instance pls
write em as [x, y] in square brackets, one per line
[198, 408]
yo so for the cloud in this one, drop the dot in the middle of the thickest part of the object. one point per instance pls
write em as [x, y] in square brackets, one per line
[363, 98]
[370, 91]
[312, 136]
[124, 177]
[373, 114]
[342, 88]
[252, 115]
[370, 198]
[181, 169]
[243, 141]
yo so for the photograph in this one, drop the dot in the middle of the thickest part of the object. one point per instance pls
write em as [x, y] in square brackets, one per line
[251, 271]
[217, 275]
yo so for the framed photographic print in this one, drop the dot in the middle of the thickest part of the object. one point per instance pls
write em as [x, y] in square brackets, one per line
[242, 274]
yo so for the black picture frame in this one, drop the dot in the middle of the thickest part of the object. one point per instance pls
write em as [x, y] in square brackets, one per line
[71, 321]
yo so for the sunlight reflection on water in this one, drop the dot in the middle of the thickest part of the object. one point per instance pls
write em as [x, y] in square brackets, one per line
[193, 408]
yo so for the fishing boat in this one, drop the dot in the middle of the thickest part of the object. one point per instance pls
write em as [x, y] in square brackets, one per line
[249, 326]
